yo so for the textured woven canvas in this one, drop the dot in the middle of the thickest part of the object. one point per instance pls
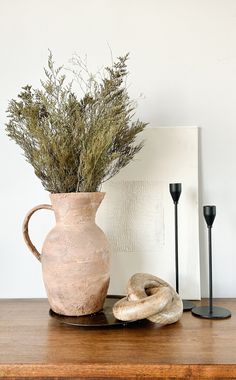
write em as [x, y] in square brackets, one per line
[137, 213]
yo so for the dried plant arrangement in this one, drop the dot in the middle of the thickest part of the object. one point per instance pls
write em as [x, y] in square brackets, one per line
[75, 144]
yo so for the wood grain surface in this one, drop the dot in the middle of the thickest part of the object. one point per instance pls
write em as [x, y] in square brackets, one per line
[33, 345]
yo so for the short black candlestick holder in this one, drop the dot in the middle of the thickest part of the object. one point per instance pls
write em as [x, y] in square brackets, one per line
[210, 311]
[175, 191]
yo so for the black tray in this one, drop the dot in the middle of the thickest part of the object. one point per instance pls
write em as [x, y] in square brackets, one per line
[103, 318]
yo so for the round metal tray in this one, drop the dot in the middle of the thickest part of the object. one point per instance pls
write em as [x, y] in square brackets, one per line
[103, 318]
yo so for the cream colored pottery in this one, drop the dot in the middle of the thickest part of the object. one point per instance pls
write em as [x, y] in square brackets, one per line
[75, 255]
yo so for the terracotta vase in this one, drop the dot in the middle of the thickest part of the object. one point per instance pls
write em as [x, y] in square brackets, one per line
[75, 255]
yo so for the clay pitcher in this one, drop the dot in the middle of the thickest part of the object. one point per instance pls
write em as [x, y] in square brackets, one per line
[75, 256]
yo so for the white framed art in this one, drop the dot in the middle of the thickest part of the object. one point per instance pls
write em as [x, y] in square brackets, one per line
[137, 213]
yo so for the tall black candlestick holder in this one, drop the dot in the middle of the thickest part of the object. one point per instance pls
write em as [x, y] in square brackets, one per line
[175, 191]
[210, 311]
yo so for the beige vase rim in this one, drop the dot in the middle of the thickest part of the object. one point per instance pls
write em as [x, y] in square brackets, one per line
[73, 193]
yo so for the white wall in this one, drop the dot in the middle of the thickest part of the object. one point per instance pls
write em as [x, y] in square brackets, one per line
[183, 59]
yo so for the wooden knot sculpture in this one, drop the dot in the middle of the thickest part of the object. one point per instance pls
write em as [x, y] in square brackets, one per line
[149, 297]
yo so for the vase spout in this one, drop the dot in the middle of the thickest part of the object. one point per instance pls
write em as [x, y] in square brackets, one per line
[76, 208]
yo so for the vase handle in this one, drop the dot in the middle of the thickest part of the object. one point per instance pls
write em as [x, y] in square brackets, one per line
[25, 229]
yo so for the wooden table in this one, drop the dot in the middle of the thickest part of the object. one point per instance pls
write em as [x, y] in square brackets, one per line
[32, 344]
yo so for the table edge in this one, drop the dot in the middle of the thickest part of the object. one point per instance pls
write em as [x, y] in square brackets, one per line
[119, 370]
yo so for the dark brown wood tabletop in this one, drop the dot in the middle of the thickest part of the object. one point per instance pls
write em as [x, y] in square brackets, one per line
[34, 345]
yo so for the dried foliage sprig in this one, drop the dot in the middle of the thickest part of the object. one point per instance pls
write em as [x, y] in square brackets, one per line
[73, 144]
